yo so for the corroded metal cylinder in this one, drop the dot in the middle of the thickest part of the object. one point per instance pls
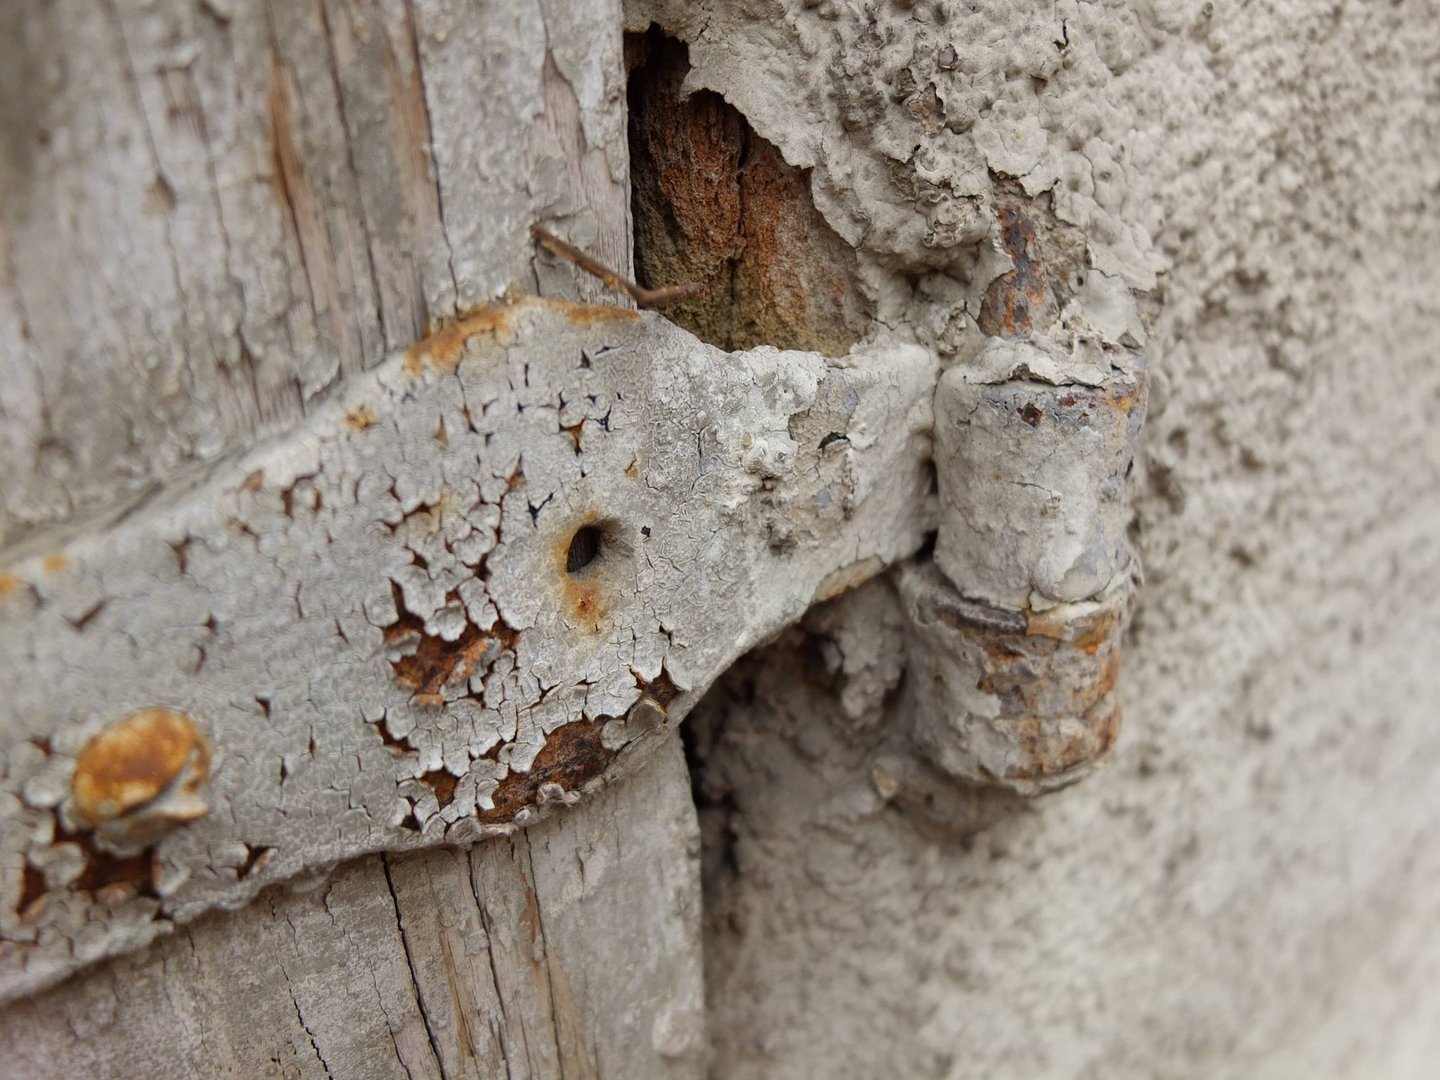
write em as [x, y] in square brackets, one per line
[1033, 449]
[1025, 700]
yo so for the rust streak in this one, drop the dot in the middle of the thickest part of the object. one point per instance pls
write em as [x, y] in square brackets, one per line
[572, 754]
[583, 592]
[360, 418]
[444, 348]
[1020, 302]
[436, 661]
[442, 784]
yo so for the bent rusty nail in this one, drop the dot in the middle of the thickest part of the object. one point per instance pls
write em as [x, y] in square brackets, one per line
[669, 294]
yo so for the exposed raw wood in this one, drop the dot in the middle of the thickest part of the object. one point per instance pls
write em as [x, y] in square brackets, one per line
[215, 213]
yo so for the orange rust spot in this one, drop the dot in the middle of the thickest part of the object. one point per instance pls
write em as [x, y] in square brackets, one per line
[583, 591]
[436, 661]
[1053, 675]
[633, 469]
[572, 754]
[9, 583]
[1096, 631]
[1087, 633]
[444, 348]
[360, 418]
[1047, 257]
[133, 760]
[1041, 676]
[1126, 395]
[442, 784]
[998, 653]
[254, 482]
[1044, 753]
[587, 314]
[53, 564]
[1019, 302]
[587, 607]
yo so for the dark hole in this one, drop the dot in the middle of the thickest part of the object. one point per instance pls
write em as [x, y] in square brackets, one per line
[715, 203]
[584, 549]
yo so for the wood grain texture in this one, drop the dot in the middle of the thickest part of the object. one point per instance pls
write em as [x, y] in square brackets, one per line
[572, 949]
[215, 213]
[211, 217]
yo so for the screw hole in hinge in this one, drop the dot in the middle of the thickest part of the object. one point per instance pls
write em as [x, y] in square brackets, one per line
[584, 549]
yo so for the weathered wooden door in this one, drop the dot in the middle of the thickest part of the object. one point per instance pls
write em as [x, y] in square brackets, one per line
[364, 544]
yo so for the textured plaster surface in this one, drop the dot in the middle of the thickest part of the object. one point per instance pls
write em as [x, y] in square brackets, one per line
[1251, 889]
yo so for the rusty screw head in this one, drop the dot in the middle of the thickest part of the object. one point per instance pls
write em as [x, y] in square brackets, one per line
[140, 777]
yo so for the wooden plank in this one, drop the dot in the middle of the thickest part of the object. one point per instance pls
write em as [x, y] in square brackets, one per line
[571, 949]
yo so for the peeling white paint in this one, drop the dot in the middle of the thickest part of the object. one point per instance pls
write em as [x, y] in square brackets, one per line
[373, 623]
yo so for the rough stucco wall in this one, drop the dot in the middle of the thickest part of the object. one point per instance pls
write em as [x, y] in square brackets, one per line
[1251, 888]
